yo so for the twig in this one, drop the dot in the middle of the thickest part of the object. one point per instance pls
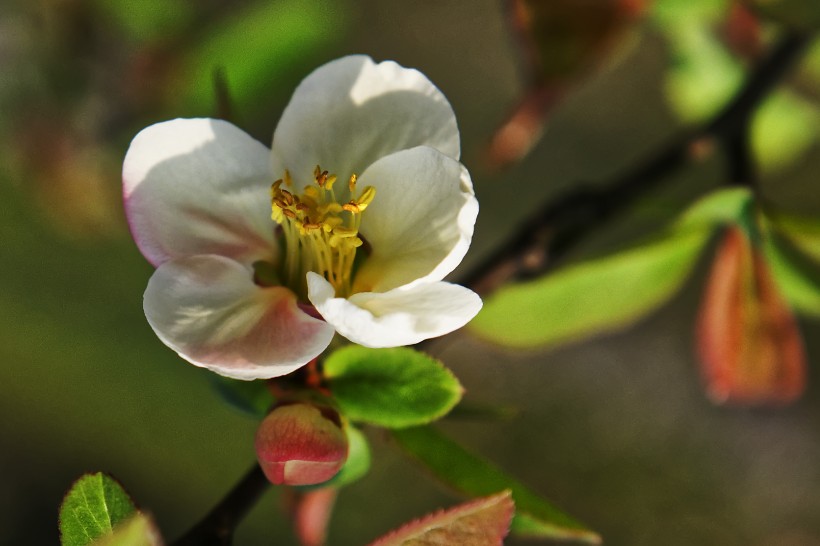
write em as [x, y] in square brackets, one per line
[217, 528]
[561, 222]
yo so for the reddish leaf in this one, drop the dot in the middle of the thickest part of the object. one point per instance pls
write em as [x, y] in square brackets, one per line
[750, 347]
[482, 522]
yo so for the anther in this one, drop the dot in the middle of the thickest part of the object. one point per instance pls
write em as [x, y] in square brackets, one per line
[279, 202]
[351, 184]
[351, 207]
[289, 213]
[288, 179]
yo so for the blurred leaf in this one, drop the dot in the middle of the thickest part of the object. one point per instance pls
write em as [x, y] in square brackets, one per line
[358, 460]
[147, 20]
[799, 14]
[591, 297]
[671, 15]
[803, 231]
[483, 522]
[797, 276]
[783, 129]
[390, 387]
[750, 347]
[719, 208]
[91, 508]
[252, 397]
[139, 530]
[256, 48]
[702, 76]
[463, 471]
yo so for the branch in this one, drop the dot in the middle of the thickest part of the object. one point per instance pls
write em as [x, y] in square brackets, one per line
[561, 222]
[217, 528]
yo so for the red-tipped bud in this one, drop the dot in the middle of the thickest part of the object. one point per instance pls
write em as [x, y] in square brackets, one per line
[301, 444]
[750, 347]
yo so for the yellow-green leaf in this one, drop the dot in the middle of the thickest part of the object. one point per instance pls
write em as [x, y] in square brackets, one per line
[591, 297]
[458, 468]
[91, 509]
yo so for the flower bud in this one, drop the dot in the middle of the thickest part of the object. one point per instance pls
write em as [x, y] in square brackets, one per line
[750, 346]
[301, 444]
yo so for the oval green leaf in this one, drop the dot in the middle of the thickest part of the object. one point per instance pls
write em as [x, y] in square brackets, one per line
[458, 468]
[392, 388]
[592, 297]
[91, 508]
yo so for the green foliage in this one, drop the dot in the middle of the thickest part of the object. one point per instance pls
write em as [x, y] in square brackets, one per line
[256, 48]
[592, 297]
[463, 471]
[718, 209]
[252, 397]
[796, 275]
[94, 505]
[702, 75]
[139, 530]
[392, 388]
[783, 130]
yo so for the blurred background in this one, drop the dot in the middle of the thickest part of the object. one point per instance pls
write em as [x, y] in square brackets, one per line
[616, 430]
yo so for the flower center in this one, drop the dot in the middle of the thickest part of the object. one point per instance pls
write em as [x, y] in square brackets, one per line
[321, 234]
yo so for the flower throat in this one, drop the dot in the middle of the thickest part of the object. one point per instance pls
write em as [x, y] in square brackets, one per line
[321, 234]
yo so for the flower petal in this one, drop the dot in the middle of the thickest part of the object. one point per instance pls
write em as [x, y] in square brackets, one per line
[403, 316]
[420, 224]
[350, 112]
[198, 186]
[208, 310]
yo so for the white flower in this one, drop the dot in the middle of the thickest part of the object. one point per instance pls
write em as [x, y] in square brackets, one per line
[261, 255]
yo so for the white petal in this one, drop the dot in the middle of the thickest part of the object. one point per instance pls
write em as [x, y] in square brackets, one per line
[420, 224]
[403, 316]
[198, 186]
[208, 310]
[350, 112]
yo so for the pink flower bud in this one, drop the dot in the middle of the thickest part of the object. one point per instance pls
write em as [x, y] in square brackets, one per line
[301, 444]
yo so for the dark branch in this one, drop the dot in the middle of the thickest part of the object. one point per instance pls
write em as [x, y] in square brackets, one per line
[561, 222]
[217, 528]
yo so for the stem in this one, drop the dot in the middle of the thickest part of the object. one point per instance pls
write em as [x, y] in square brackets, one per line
[217, 528]
[561, 222]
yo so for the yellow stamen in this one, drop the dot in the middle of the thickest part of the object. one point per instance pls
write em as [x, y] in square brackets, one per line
[321, 234]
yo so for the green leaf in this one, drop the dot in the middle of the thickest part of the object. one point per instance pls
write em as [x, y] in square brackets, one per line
[482, 522]
[784, 128]
[91, 508]
[256, 47]
[802, 231]
[473, 476]
[358, 460]
[392, 388]
[717, 209]
[252, 397]
[591, 297]
[702, 75]
[139, 530]
[796, 275]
